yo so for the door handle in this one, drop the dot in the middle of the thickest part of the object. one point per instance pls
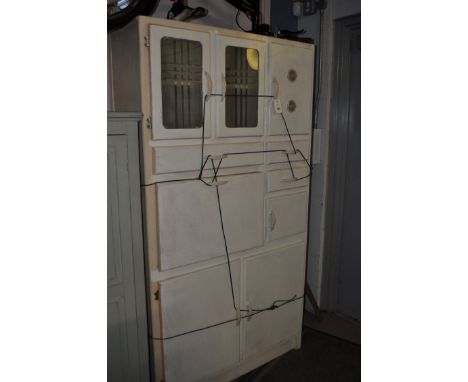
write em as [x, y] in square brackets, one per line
[276, 86]
[223, 90]
[209, 85]
[272, 219]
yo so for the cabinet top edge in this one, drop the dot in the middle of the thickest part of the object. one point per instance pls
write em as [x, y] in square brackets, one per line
[145, 21]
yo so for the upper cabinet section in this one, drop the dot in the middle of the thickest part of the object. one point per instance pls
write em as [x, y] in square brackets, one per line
[240, 78]
[291, 77]
[189, 78]
[180, 78]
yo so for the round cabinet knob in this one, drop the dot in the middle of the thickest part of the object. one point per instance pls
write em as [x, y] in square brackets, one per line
[292, 75]
[291, 106]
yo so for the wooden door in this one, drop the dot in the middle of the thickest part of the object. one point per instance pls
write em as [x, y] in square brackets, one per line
[275, 275]
[127, 337]
[240, 78]
[341, 289]
[198, 300]
[189, 220]
[292, 71]
[180, 78]
[286, 215]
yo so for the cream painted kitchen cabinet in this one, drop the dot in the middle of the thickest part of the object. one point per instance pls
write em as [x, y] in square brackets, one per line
[225, 190]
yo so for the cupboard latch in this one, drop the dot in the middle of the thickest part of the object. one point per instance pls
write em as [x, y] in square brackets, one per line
[149, 123]
[147, 41]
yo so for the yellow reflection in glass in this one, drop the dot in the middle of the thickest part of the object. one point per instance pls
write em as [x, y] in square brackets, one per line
[252, 58]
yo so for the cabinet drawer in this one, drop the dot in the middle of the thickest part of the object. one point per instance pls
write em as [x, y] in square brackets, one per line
[286, 215]
[281, 179]
[189, 221]
[169, 159]
[278, 157]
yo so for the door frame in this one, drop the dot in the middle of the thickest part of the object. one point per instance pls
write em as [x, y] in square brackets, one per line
[337, 151]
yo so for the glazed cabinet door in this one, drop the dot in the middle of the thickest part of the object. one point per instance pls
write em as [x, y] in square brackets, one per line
[240, 78]
[180, 78]
[292, 71]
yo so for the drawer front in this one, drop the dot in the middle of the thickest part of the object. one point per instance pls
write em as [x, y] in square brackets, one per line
[282, 179]
[170, 159]
[278, 157]
[286, 215]
[189, 221]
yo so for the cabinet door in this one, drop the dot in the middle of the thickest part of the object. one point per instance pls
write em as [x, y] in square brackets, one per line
[127, 346]
[180, 78]
[286, 267]
[195, 301]
[189, 221]
[286, 215]
[240, 79]
[291, 76]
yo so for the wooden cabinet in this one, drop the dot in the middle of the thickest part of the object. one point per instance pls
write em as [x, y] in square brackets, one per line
[225, 218]
[127, 335]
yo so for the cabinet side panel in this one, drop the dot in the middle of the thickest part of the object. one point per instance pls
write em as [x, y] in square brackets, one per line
[125, 68]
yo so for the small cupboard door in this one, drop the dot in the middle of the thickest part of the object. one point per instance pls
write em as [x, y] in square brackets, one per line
[240, 79]
[286, 215]
[291, 76]
[180, 78]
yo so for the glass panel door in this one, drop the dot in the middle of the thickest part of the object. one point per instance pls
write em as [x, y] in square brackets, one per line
[180, 73]
[241, 105]
[240, 80]
[181, 81]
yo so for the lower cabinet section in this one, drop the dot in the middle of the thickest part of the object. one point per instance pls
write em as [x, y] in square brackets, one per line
[192, 302]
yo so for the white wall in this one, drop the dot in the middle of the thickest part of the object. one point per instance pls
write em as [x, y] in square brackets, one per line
[335, 9]
[220, 14]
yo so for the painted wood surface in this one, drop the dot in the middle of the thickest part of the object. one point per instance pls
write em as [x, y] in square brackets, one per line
[286, 215]
[278, 275]
[126, 306]
[294, 85]
[194, 301]
[190, 221]
[183, 238]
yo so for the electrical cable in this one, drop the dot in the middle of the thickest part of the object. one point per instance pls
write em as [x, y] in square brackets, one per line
[237, 21]
[227, 321]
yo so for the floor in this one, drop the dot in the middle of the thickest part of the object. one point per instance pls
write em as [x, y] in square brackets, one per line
[322, 358]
